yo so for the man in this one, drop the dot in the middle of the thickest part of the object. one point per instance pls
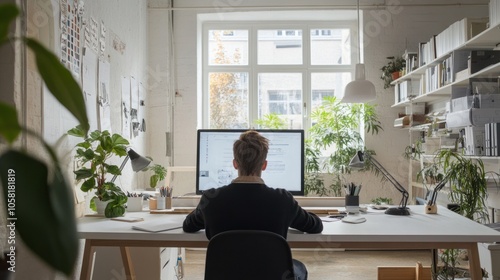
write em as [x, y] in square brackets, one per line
[247, 203]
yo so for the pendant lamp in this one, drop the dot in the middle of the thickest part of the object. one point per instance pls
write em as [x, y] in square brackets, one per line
[360, 90]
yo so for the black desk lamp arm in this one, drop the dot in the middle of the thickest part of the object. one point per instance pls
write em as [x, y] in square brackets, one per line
[394, 182]
[441, 185]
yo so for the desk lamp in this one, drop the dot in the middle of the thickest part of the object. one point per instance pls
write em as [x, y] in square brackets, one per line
[358, 162]
[138, 162]
[431, 207]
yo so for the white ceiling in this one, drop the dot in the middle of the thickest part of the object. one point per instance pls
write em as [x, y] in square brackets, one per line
[339, 4]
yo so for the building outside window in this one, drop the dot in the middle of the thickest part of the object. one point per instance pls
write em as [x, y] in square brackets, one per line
[251, 70]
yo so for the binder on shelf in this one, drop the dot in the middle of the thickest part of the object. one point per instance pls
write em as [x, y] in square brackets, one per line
[492, 139]
[487, 137]
[475, 141]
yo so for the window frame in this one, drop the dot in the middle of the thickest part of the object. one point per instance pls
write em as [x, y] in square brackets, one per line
[253, 68]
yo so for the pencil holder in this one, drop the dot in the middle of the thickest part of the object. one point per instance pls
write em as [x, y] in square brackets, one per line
[160, 203]
[352, 203]
[152, 204]
[168, 202]
[134, 204]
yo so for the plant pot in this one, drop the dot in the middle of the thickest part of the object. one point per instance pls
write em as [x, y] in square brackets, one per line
[101, 206]
[395, 75]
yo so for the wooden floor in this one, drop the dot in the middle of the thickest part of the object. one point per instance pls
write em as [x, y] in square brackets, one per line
[326, 265]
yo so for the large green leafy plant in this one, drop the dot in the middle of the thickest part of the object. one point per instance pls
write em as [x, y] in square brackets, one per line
[337, 128]
[38, 199]
[93, 155]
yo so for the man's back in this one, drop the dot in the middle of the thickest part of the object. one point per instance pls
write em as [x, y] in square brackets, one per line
[250, 205]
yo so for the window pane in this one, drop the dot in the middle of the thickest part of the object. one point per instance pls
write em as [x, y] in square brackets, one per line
[281, 94]
[228, 47]
[279, 47]
[228, 100]
[330, 47]
[327, 84]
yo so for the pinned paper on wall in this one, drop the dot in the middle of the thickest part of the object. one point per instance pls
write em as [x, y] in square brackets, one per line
[134, 106]
[102, 40]
[90, 32]
[103, 99]
[126, 107]
[71, 12]
[89, 82]
[141, 112]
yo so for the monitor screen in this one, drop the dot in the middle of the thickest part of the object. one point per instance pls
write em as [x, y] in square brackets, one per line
[285, 159]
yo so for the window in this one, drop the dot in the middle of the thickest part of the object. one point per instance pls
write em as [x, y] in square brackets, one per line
[251, 70]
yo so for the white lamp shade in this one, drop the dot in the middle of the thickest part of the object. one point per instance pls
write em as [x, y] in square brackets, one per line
[360, 90]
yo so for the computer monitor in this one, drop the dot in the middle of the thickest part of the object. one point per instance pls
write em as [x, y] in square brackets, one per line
[285, 159]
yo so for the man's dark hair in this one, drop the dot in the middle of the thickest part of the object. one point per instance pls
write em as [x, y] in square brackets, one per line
[250, 152]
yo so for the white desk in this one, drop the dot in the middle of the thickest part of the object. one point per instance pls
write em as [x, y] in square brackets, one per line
[445, 230]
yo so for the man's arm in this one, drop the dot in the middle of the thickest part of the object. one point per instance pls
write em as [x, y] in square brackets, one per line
[305, 221]
[194, 220]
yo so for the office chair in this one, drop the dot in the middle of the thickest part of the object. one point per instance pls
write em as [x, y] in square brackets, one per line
[248, 254]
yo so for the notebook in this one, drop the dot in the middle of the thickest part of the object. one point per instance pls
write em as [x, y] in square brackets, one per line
[157, 226]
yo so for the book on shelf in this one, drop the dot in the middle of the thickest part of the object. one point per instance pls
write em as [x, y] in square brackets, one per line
[458, 33]
[492, 139]
[411, 59]
[494, 8]
[420, 55]
[474, 140]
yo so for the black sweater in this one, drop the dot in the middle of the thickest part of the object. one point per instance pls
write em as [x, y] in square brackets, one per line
[250, 206]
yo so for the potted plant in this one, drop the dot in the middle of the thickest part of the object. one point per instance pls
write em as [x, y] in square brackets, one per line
[159, 174]
[468, 189]
[92, 156]
[391, 71]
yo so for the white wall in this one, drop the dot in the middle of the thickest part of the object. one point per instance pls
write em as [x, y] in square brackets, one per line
[388, 32]
[126, 22]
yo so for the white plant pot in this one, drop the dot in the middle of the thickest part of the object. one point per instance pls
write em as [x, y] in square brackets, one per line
[101, 206]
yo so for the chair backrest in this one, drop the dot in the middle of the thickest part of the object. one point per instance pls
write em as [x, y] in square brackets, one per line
[248, 254]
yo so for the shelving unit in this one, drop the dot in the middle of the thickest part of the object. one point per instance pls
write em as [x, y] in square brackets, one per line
[436, 99]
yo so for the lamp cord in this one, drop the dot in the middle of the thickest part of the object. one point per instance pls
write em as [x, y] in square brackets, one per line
[359, 37]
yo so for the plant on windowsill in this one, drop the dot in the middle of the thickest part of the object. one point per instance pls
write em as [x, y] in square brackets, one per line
[392, 70]
[92, 156]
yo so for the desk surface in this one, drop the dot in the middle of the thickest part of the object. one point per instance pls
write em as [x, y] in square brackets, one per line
[445, 226]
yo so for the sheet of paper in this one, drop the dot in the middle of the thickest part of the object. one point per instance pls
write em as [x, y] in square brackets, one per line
[157, 226]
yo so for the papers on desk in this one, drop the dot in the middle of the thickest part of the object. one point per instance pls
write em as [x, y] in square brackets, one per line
[157, 226]
[128, 219]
